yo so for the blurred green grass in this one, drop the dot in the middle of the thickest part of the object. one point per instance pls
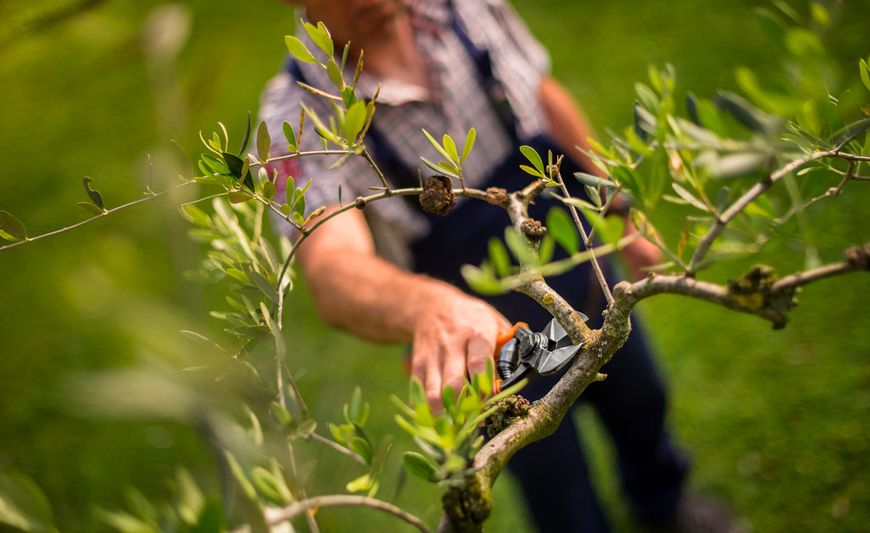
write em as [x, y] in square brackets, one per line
[777, 421]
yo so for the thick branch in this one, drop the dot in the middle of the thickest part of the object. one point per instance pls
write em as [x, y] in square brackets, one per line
[344, 500]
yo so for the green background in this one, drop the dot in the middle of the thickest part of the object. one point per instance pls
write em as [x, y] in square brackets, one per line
[776, 420]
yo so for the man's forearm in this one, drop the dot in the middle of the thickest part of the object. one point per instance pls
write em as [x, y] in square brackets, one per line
[370, 297]
[568, 126]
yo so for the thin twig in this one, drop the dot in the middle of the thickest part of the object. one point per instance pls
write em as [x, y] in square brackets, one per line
[95, 217]
[338, 447]
[345, 500]
[754, 192]
[587, 241]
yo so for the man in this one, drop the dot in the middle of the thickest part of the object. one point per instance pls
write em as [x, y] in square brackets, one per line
[446, 66]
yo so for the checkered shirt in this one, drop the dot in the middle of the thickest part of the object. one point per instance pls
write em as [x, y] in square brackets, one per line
[455, 101]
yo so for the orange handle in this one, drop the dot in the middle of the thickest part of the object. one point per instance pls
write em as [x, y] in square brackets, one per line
[505, 336]
[500, 341]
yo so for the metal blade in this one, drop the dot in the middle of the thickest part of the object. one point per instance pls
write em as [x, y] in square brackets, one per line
[557, 359]
[554, 331]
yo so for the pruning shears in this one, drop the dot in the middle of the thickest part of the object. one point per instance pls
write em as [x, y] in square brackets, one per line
[520, 350]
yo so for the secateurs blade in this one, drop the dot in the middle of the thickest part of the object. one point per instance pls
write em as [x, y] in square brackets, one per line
[521, 350]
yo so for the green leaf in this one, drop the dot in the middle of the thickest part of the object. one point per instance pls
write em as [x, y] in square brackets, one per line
[11, 229]
[290, 135]
[416, 393]
[190, 497]
[264, 141]
[519, 246]
[268, 485]
[23, 505]
[334, 74]
[320, 36]
[689, 197]
[469, 144]
[120, 521]
[234, 163]
[360, 484]
[529, 170]
[362, 448]
[93, 194]
[269, 189]
[355, 408]
[481, 281]
[418, 465]
[194, 215]
[499, 257]
[548, 246]
[238, 197]
[534, 158]
[89, 207]
[437, 146]
[746, 113]
[561, 228]
[450, 146]
[354, 120]
[864, 69]
[298, 49]
[246, 137]
[593, 181]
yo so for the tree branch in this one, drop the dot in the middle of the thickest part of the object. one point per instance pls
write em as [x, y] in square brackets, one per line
[754, 192]
[344, 500]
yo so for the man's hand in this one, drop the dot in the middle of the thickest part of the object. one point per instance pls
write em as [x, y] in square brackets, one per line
[453, 337]
[640, 253]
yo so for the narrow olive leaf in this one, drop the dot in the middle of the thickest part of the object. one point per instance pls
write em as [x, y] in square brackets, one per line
[195, 215]
[746, 113]
[200, 338]
[469, 143]
[734, 165]
[561, 228]
[689, 197]
[247, 136]
[320, 36]
[238, 197]
[529, 170]
[290, 135]
[418, 465]
[593, 181]
[11, 229]
[594, 194]
[534, 158]
[93, 194]
[499, 257]
[90, 208]
[360, 484]
[437, 146]
[298, 49]
[865, 73]
[482, 281]
[354, 121]
[264, 141]
[519, 246]
[450, 146]
[355, 407]
[234, 163]
[335, 75]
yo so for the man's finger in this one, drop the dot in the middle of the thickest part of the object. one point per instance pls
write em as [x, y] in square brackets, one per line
[454, 367]
[479, 350]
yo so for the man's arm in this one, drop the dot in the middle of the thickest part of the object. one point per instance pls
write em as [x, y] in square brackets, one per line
[354, 289]
[569, 128]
